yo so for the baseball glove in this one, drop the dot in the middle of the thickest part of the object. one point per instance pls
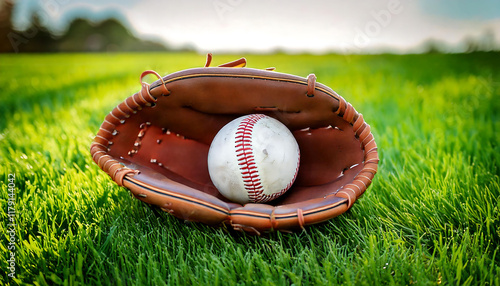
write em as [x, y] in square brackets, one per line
[156, 142]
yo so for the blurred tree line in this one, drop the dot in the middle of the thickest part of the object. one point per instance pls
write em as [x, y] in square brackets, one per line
[82, 35]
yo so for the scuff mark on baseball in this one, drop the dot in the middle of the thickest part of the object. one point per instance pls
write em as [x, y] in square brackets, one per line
[253, 158]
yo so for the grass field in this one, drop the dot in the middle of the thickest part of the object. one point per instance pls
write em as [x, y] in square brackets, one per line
[431, 216]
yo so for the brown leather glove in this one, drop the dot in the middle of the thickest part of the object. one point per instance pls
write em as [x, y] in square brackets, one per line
[155, 143]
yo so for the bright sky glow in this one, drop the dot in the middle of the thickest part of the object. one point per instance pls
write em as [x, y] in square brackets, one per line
[295, 26]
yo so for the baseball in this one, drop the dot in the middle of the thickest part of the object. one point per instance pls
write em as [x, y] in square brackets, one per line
[253, 158]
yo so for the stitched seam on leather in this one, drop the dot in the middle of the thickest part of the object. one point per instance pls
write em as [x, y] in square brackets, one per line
[138, 141]
[175, 195]
[336, 96]
[287, 215]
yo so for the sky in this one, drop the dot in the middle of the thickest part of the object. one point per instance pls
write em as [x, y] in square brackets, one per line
[315, 26]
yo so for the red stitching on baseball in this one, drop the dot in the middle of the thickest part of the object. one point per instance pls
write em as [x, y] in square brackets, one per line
[246, 159]
[248, 166]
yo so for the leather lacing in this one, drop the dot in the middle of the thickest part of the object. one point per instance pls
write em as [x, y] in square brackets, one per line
[311, 84]
[360, 183]
[100, 147]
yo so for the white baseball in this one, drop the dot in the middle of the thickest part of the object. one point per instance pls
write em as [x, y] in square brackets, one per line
[253, 158]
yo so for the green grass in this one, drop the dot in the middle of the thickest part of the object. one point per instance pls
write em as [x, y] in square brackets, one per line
[431, 216]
